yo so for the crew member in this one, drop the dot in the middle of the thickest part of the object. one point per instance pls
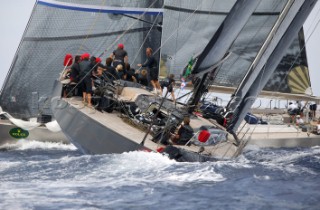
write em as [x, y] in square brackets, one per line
[184, 134]
[85, 78]
[119, 56]
[169, 84]
[152, 65]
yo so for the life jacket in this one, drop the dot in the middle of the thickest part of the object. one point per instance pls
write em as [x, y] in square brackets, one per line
[67, 60]
[204, 136]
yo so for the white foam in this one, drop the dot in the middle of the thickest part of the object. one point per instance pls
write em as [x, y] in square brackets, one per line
[53, 126]
[5, 165]
[251, 147]
[32, 144]
[285, 160]
[133, 168]
[262, 177]
[199, 174]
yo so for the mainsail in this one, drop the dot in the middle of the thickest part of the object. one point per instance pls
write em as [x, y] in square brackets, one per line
[77, 26]
[188, 26]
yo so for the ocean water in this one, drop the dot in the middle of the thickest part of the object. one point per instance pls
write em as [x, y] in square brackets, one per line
[36, 175]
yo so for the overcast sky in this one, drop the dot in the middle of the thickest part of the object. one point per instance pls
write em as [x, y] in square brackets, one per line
[14, 15]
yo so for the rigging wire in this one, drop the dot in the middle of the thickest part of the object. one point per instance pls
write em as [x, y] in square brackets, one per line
[130, 26]
[174, 31]
[145, 39]
[92, 27]
[183, 23]
[79, 49]
[314, 20]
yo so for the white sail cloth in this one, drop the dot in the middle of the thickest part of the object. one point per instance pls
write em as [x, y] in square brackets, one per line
[26, 125]
[31, 124]
[53, 126]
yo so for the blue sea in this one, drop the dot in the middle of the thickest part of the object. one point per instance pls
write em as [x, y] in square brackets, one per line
[38, 175]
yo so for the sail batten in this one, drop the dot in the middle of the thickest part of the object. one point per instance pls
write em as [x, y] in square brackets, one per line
[88, 36]
[180, 9]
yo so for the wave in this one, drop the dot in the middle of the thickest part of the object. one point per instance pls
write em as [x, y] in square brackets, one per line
[115, 170]
[297, 160]
[47, 161]
[147, 168]
[33, 144]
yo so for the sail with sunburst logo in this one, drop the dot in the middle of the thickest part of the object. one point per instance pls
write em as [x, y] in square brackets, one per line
[299, 80]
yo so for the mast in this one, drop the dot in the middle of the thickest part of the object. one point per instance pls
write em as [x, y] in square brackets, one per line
[219, 45]
[260, 72]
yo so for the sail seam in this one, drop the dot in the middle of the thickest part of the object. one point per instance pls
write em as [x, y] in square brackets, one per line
[86, 36]
[215, 12]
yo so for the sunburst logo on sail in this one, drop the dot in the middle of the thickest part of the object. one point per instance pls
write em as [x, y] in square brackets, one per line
[299, 80]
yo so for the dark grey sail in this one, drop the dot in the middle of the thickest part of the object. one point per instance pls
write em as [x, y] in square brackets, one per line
[261, 71]
[218, 46]
[185, 37]
[246, 44]
[292, 74]
[193, 23]
[188, 27]
[77, 26]
[243, 50]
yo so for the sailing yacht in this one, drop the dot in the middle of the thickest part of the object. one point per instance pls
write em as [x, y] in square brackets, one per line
[232, 40]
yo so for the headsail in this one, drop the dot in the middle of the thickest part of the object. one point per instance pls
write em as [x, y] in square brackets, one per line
[259, 73]
[187, 20]
[60, 27]
[292, 74]
[219, 44]
[244, 48]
